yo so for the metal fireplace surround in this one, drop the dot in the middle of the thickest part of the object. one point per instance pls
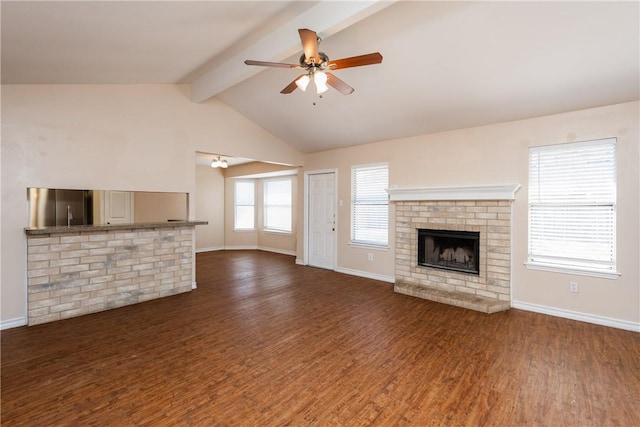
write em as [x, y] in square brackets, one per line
[449, 250]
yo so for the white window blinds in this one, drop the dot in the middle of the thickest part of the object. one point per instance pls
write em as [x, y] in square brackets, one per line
[370, 204]
[244, 215]
[572, 198]
[277, 205]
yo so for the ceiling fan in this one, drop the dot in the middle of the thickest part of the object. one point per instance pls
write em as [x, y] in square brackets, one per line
[317, 66]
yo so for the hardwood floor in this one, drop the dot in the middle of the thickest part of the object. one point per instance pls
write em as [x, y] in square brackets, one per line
[265, 342]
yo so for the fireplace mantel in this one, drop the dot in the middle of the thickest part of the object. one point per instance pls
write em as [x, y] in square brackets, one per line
[469, 192]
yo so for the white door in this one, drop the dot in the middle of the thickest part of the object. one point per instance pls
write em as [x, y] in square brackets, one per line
[118, 207]
[321, 220]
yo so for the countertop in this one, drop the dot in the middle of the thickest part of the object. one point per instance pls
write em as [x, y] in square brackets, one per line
[109, 227]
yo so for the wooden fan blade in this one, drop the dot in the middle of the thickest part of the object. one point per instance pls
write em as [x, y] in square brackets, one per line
[355, 61]
[271, 64]
[339, 85]
[291, 86]
[309, 41]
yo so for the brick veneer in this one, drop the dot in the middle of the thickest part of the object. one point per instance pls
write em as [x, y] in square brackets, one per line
[492, 218]
[85, 272]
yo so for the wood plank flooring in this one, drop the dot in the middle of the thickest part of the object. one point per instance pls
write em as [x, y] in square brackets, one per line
[265, 342]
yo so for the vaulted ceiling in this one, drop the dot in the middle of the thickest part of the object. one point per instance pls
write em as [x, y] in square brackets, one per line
[447, 65]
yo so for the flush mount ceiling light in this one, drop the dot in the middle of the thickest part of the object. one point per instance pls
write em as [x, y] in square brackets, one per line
[219, 162]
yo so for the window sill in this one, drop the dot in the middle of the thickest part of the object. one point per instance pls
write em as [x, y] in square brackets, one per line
[369, 246]
[244, 230]
[569, 270]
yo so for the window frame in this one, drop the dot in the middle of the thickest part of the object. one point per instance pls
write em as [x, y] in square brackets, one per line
[546, 198]
[266, 205]
[369, 243]
[236, 204]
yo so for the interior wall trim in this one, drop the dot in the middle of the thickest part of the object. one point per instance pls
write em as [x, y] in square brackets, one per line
[258, 248]
[366, 274]
[241, 248]
[13, 323]
[209, 249]
[575, 315]
[278, 251]
[467, 192]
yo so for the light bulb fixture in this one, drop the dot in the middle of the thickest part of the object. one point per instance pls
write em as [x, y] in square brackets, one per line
[320, 80]
[218, 162]
[303, 82]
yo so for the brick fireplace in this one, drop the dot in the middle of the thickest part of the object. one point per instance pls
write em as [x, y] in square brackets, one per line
[485, 210]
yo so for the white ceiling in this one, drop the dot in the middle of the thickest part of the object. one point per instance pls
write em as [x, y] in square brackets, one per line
[447, 65]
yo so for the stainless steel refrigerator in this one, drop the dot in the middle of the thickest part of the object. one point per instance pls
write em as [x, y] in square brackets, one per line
[56, 207]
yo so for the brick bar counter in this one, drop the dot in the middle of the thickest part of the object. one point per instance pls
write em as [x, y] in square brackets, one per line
[77, 270]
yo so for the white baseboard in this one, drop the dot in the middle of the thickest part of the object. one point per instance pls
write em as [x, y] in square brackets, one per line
[575, 315]
[240, 248]
[278, 251]
[13, 323]
[259, 248]
[194, 285]
[209, 249]
[366, 274]
[358, 273]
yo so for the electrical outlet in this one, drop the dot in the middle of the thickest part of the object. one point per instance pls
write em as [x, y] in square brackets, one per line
[573, 286]
[370, 256]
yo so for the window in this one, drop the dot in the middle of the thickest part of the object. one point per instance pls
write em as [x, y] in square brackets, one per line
[370, 205]
[277, 205]
[572, 206]
[244, 217]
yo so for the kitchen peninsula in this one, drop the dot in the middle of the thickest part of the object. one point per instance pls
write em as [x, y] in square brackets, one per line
[77, 270]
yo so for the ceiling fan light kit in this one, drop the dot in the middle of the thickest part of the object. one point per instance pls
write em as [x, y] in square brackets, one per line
[317, 65]
[219, 162]
[319, 80]
[302, 82]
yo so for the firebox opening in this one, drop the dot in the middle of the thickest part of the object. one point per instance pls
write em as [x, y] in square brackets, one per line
[449, 250]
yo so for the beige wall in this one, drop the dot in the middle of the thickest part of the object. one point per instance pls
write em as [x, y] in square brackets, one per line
[127, 137]
[210, 207]
[159, 207]
[498, 154]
